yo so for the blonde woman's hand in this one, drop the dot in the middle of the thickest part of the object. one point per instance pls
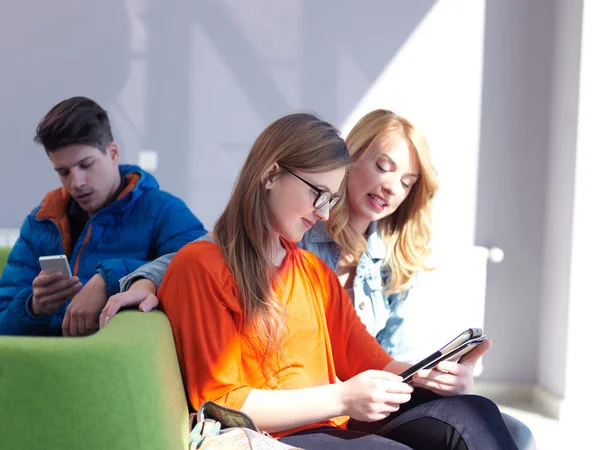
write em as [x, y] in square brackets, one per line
[141, 293]
[452, 378]
[373, 395]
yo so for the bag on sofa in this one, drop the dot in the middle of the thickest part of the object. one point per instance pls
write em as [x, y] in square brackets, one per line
[226, 428]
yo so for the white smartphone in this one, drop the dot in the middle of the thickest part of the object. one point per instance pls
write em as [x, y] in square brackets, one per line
[56, 263]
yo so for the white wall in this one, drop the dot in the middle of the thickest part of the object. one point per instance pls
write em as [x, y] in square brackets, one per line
[560, 187]
[435, 80]
[584, 306]
[197, 81]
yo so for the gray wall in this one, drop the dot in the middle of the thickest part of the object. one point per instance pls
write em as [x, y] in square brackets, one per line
[197, 81]
[49, 51]
[517, 89]
[194, 81]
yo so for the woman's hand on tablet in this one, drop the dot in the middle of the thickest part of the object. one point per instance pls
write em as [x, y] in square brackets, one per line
[452, 378]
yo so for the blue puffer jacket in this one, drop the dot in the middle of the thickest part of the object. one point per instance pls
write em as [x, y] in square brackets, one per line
[141, 225]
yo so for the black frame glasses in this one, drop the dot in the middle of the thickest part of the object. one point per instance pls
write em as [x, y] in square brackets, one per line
[323, 198]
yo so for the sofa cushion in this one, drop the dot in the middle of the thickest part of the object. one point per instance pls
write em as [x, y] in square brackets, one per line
[118, 389]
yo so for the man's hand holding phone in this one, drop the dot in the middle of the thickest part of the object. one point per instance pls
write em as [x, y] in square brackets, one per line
[51, 290]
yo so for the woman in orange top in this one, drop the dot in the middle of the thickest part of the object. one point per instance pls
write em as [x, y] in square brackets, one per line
[265, 327]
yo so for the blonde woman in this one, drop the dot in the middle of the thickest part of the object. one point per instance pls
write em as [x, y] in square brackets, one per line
[265, 327]
[377, 240]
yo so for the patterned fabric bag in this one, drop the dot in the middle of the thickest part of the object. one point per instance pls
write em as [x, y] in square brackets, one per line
[219, 427]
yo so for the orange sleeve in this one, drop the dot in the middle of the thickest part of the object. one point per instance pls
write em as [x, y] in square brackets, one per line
[199, 298]
[354, 348]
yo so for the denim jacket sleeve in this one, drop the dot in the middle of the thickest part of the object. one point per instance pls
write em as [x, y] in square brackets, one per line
[401, 335]
[391, 335]
[153, 271]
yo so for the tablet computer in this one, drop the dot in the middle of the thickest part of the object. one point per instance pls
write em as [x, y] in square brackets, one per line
[453, 351]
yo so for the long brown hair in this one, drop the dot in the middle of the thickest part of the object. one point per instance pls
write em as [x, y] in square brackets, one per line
[406, 232]
[297, 141]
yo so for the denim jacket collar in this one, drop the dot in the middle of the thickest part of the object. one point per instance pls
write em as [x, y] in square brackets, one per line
[375, 244]
[319, 233]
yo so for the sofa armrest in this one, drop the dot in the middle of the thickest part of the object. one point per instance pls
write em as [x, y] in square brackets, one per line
[4, 252]
[120, 388]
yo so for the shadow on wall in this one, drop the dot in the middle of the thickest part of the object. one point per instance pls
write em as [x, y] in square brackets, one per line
[51, 51]
[205, 78]
[336, 51]
[256, 61]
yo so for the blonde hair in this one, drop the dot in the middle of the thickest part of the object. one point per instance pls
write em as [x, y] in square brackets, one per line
[297, 141]
[407, 231]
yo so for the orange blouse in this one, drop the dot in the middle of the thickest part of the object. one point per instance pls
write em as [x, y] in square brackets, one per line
[325, 338]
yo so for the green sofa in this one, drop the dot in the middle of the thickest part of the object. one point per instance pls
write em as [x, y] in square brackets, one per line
[4, 251]
[119, 389]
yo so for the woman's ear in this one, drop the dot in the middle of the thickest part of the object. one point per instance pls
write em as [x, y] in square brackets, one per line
[270, 176]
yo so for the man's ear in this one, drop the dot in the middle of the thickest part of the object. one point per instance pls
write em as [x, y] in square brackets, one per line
[270, 176]
[113, 152]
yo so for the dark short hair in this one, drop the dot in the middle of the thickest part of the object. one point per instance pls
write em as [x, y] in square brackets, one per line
[77, 120]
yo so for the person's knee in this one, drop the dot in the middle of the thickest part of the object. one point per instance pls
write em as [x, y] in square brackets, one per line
[475, 405]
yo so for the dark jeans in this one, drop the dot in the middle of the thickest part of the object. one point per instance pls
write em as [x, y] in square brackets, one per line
[428, 422]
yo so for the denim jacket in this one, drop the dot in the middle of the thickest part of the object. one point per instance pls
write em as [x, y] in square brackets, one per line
[385, 316]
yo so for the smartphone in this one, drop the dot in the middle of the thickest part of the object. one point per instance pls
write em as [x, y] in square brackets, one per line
[56, 263]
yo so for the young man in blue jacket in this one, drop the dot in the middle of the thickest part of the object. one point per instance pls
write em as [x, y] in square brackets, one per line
[108, 219]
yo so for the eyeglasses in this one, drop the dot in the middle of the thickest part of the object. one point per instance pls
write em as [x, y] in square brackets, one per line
[323, 198]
